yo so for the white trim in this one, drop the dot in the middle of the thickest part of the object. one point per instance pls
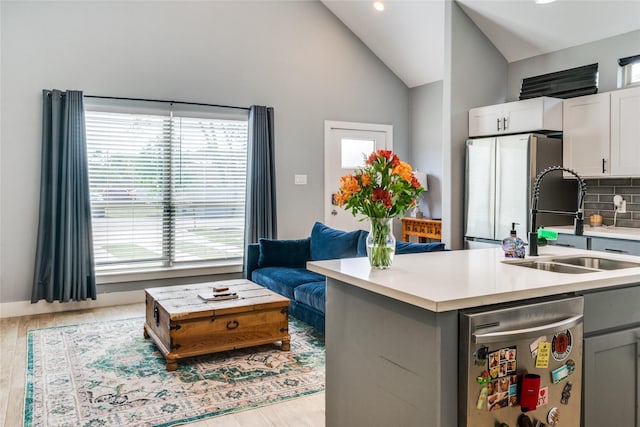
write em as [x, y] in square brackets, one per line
[25, 308]
[105, 278]
[333, 124]
[329, 127]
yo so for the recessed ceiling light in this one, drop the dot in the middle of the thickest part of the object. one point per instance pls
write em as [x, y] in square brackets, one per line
[378, 5]
[544, 1]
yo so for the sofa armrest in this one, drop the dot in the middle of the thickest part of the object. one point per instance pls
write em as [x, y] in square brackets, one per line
[251, 262]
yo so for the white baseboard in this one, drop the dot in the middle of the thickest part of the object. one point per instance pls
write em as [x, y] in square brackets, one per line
[25, 308]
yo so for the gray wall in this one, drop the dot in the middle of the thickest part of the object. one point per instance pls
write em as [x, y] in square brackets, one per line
[425, 106]
[294, 56]
[475, 75]
[605, 52]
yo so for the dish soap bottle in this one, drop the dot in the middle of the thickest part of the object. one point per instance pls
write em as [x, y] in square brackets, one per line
[513, 246]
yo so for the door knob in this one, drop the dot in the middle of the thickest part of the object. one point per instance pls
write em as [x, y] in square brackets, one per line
[334, 212]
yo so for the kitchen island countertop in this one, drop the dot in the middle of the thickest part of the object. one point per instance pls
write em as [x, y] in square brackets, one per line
[453, 280]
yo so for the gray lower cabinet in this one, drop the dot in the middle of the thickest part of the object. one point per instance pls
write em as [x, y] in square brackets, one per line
[571, 241]
[616, 246]
[611, 380]
[602, 244]
[611, 374]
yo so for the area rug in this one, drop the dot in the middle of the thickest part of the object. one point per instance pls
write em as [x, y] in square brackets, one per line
[106, 374]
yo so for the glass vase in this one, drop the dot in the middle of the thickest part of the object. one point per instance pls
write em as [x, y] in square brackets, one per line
[381, 243]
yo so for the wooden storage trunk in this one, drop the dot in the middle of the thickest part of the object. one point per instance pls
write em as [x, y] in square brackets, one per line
[183, 325]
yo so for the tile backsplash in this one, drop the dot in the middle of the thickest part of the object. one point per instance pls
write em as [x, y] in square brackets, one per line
[599, 200]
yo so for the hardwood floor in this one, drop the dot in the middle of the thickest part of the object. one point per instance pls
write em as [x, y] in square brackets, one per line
[302, 412]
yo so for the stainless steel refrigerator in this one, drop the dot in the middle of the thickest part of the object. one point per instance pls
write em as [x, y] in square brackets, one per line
[500, 172]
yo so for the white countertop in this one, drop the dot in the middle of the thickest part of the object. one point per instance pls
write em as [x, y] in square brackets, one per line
[602, 231]
[452, 280]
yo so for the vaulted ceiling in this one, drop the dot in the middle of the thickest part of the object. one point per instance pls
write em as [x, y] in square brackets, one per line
[408, 36]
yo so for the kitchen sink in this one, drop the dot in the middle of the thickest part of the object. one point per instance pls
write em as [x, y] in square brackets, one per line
[597, 263]
[576, 264]
[554, 267]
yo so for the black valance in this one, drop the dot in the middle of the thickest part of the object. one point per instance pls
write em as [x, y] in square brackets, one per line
[562, 84]
[628, 60]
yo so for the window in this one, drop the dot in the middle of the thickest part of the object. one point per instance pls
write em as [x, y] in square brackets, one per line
[354, 152]
[630, 70]
[167, 186]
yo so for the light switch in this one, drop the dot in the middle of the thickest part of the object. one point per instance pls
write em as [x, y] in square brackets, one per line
[300, 179]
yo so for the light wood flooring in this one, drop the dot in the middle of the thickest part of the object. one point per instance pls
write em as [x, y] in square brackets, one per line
[302, 412]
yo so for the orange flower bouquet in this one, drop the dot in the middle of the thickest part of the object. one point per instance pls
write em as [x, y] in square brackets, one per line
[383, 189]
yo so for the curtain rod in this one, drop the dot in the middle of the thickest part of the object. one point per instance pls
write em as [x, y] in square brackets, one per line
[168, 102]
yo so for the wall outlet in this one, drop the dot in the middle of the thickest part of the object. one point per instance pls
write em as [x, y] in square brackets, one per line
[623, 207]
[300, 179]
[620, 204]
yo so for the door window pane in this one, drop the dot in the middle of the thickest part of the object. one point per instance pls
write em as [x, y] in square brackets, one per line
[354, 152]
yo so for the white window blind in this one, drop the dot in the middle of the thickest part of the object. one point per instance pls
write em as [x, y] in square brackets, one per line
[166, 188]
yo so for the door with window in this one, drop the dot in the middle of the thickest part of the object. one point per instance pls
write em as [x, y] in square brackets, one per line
[346, 147]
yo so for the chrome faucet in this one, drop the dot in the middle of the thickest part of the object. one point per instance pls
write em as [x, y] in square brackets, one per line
[578, 222]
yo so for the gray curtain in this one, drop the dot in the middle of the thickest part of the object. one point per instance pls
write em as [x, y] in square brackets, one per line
[64, 267]
[260, 217]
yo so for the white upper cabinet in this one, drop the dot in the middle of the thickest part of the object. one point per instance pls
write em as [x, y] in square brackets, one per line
[625, 132]
[601, 136]
[585, 138]
[530, 115]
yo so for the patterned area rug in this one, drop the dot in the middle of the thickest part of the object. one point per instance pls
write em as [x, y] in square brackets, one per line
[107, 374]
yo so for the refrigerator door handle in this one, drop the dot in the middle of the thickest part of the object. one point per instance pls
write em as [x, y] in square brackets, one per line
[532, 332]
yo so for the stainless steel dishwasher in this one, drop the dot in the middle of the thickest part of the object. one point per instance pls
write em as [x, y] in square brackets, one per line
[521, 364]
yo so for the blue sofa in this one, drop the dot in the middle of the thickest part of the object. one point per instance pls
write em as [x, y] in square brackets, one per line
[279, 265]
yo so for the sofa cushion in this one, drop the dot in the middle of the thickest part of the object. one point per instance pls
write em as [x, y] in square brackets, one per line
[414, 248]
[312, 294]
[284, 280]
[284, 253]
[328, 243]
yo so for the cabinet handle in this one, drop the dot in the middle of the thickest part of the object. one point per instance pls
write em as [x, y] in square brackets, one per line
[566, 245]
[498, 123]
[618, 251]
[505, 123]
[603, 166]
[515, 334]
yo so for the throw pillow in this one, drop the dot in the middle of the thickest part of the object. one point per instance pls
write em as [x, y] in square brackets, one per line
[283, 253]
[329, 243]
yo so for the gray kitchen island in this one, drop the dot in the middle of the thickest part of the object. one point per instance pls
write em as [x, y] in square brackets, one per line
[392, 336]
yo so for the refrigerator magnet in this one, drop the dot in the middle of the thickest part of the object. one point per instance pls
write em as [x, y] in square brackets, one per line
[561, 345]
[566, 393]
[480, 355]
[533, 347]
[542, 358]
[559, 374]
[543, 396]
[482, 398]
[553, 417]
[483, 378]
[571, 366]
